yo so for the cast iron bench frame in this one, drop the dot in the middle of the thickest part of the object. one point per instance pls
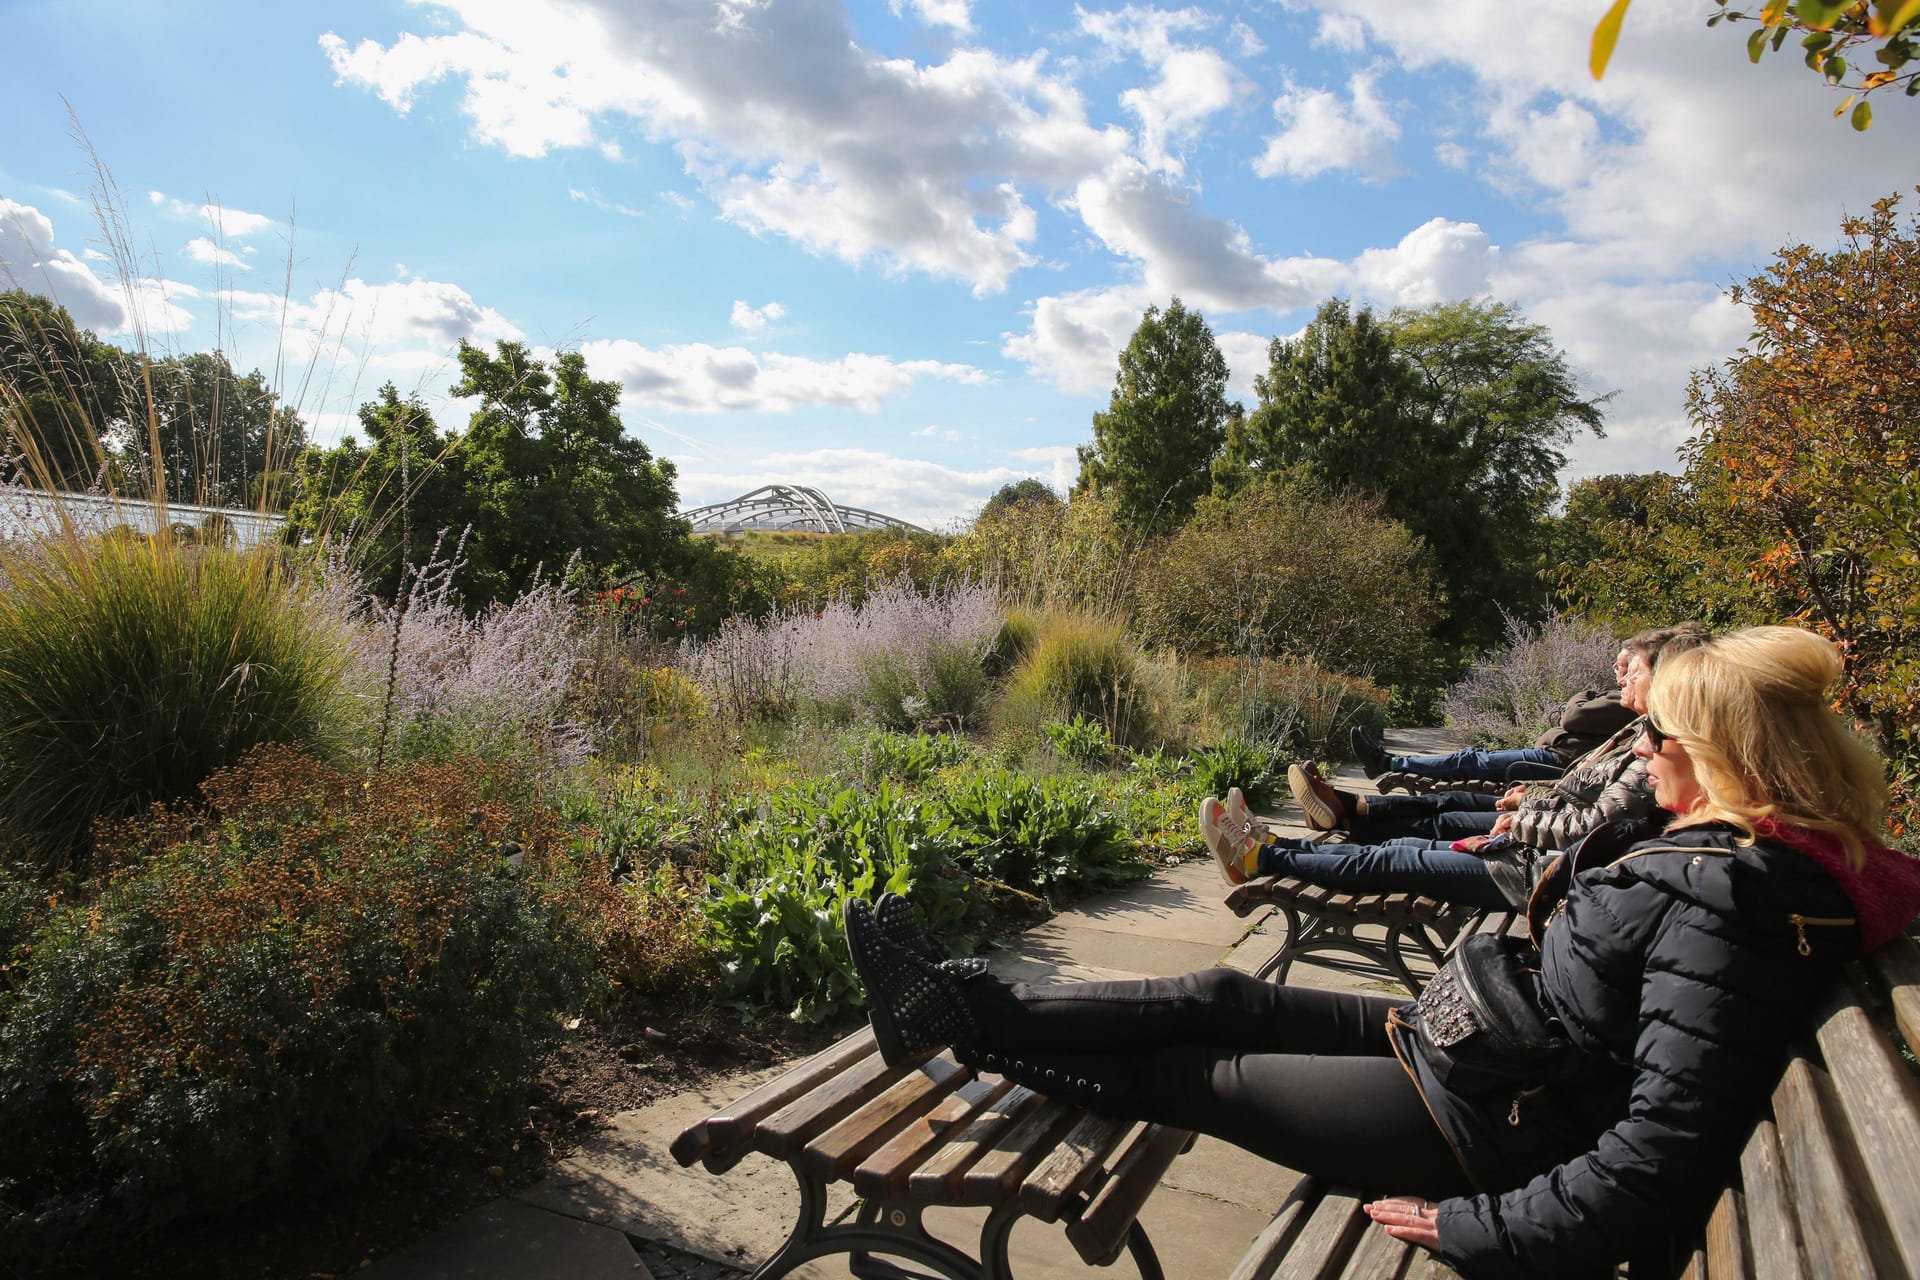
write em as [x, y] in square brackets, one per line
[931, 1132]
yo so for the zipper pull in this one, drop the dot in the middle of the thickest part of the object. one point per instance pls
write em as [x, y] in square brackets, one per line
[1513, 1116]
[1800, 927]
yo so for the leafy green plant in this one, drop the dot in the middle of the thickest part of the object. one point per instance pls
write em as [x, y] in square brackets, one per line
[1301, 705]
[904, 757]
[1047, 836]
[1251, 764]
[783, 870]
[1080, 739]
[1082, 664]
[271, 985]
[132, 668]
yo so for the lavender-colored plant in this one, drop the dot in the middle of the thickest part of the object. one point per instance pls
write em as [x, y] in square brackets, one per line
[432, 682]
[902, 656]
[1514, 694]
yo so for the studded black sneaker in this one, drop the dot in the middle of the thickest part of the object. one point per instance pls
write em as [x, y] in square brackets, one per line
[916, 1004]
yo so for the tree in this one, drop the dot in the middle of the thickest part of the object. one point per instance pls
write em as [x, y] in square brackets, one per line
[1809, 440]
[1019, 493]
[1164, 424]
[552, 471]
[1829, 31]
[60, 394]
[1456, 416]
[224, 439]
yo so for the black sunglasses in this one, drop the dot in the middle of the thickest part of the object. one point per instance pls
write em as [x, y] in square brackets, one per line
[1657, 737]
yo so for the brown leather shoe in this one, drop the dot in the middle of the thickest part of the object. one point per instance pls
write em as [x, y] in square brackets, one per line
[1323, 807]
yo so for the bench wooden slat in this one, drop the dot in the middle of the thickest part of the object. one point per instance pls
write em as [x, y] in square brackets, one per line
[787, 1130]
[1897, 964]
[884, 1172]
[1877, 1094]
[1329, 1232]
[1826, 1212]
[939, 1177]
[1100, 1232]
[833, 1152]
[1071, 1166]
[1725, 1257]
[733, 1124]
[1769, 1207]
[1000, 1170]
[1377, 1256]
[1272, 1244]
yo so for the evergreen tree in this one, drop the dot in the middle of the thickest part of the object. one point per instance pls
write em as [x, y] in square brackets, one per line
[1165, 423]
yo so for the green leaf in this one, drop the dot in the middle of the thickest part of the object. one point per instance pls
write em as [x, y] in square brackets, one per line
[1904, 16]
[1607, 34]
[1756, 44]
[1780, 36]
[1818, 40]
[1821, 13]
[1863, 116]
[1835, 70]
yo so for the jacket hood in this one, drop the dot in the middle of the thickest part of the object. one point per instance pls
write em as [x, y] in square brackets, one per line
[1885, 891]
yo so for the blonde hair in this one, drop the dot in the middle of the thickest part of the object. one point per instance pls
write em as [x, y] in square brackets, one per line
[1750, 709]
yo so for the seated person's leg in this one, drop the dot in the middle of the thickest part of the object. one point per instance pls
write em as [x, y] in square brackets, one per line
[1378, 818]
[1435, 872]
[1473, 762]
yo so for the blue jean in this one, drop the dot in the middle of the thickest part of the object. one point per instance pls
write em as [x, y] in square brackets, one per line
[1437, 815]
[1408, 865]
[1475, 762]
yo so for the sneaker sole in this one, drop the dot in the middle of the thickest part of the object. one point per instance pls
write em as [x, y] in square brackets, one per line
[1319, 814]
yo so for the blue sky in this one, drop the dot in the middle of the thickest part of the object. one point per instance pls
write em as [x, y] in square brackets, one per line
[892, 249]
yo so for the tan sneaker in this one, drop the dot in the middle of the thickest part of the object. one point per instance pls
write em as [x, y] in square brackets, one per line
[1319, 802]
[1229, 841]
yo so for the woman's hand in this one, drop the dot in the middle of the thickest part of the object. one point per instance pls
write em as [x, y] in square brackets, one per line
[1502, 824]
[1410, 1219]
[1514, 795]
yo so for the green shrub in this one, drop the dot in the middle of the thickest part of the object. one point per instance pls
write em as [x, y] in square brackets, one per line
[131, 669]
[1304, 707]
[1081, 664]
[1047, 836]
[1286, 570]
[1018, 630]
[782, 872]
[1254, 765]
[878, 755]
[271, 986]
[1081, 740]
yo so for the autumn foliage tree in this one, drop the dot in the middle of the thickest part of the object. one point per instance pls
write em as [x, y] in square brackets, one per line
[1810, 435]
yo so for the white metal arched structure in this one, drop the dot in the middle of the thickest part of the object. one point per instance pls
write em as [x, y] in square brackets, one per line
[789, 507]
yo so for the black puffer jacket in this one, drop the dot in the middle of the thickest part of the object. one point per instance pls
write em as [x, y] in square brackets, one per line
[1674, 964]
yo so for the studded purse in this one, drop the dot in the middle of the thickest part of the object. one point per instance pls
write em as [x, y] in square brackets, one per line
[1481, 1023]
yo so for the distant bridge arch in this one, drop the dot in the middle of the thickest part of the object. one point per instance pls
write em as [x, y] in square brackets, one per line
[793, 508]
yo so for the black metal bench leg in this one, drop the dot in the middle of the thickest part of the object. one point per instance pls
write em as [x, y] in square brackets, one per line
[1143, 1255]
[890, 1230]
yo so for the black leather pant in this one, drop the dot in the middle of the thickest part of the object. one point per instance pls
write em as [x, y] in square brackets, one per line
[1302, 1077]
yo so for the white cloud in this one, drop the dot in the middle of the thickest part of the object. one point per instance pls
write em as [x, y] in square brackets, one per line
[224, 221]
[1322, 133]
[946, 435]
[1246, 357]
[952, 14]
[1072, 339]
[699, 378]
[1452, 155]
[1438, 261]
[1246, 42]
[913, 489]
[788, 124]
[201, 249]
[1193, 83]
[1341, 31]
[596, 200]
[753, 318]
[29, 260]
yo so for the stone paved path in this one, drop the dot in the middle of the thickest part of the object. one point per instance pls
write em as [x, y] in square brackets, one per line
[624, 1188]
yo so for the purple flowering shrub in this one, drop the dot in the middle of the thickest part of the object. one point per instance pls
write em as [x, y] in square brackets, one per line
[1514, 694]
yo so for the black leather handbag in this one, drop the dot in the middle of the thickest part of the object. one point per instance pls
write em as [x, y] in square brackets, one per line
[1481, 1024]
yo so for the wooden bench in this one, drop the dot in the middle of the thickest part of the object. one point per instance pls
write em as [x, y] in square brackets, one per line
[1828, 1186]
[1320, 919]
[932, 1133]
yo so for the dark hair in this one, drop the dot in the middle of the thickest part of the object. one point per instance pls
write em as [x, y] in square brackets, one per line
[1678, 638]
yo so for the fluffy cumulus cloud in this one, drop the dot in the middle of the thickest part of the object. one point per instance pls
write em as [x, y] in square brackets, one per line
[698, 378]
[1324, 132]
[202, 250]
[223, 221]
[753, 318]
[1438, 261]
[954, 15]
[912, 489]
[785, 120]
[30, 260]
[1192, 83]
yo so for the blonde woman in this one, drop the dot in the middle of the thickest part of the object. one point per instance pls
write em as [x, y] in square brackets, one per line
[1656, 999]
